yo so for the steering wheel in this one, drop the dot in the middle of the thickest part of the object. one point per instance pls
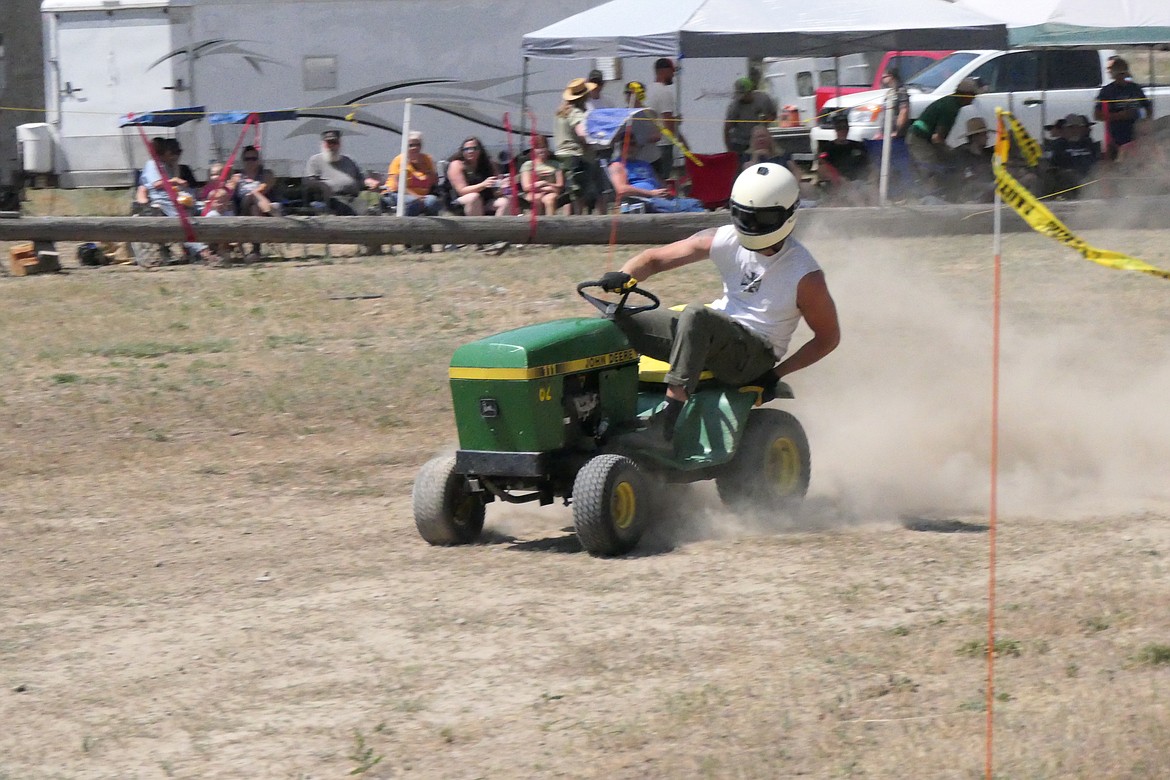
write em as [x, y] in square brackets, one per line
[613, 308]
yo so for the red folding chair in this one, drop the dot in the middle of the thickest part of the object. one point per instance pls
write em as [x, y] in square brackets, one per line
[712, 181]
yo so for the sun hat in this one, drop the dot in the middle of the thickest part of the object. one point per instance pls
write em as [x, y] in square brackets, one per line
[577, 89]
[975, 125]
[1077, 120]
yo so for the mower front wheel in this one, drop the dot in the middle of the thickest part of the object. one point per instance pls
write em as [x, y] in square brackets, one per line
[445, 512]
[610, 505]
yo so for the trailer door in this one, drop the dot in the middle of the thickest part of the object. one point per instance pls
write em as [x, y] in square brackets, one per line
[106, 67]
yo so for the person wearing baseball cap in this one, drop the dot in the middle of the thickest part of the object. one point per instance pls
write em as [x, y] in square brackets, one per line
[749, 107]
[332, 178]
[596, 99]
[660, 98]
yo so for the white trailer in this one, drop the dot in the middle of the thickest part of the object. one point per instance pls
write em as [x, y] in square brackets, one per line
[345, 64]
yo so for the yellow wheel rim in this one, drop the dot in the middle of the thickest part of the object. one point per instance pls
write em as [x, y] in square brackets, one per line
[783, 466]
[623, 505]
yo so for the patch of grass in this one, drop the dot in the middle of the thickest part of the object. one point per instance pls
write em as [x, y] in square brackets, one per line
[1095, 624]
[362, 755]
[66, 379]
[291, 340]
[1007, 648]
[156, 349]
[1154, 655]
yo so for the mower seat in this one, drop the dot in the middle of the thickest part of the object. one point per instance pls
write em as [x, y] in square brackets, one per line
[654, 371]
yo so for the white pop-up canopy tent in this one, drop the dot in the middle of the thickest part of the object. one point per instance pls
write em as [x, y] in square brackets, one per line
[759, 28]
[1040, 23]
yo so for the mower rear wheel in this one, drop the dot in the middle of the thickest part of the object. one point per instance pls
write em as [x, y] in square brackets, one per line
[770, 470]
[610, 505]
[445, 511]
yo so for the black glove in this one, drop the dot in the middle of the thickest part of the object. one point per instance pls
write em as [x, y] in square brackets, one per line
[767, 380]
[616, 281]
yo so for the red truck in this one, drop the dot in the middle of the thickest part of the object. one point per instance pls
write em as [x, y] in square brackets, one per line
[907, 62]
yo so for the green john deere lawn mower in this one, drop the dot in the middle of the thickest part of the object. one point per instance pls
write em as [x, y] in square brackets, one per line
[545, 411]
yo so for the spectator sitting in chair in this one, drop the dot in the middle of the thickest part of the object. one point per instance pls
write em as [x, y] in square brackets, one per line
[421, 179]
[474, 181]
[543, 182]
[844, 165]
[635, 179]
[1073, 156]
[154, 178]
[332, 178]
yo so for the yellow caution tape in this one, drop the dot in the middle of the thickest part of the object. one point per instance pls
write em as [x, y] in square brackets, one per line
[1045, 222]
[1029, 147]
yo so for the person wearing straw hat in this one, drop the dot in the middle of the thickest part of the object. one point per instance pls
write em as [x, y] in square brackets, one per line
[1073, 157]
[576, 157]
[974, 179]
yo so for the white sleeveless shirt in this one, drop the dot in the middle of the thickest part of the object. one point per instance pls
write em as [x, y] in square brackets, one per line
[760, 292]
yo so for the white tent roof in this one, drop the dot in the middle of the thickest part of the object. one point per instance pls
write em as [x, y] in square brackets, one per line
[762, 28]
[741, 28]
[620, 28]
[1079, 22]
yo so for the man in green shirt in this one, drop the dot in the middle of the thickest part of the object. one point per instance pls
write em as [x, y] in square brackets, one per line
[927, 139]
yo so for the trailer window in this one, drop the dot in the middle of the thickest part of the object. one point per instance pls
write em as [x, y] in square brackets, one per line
[319, 73]
[804, 83]
[828, 78]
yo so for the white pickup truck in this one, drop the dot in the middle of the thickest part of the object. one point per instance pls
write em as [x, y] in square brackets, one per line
[1037, 86]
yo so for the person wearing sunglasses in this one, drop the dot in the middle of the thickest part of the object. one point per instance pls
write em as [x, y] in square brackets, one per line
[770, 282]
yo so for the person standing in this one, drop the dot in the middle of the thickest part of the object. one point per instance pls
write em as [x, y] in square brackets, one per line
[1119, 105]
[900, 103]
[660, 98]
[576, 157]
[596, 99]
[748, 109]
[927, 138]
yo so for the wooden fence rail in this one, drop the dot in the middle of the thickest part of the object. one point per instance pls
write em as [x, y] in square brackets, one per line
[892, 222]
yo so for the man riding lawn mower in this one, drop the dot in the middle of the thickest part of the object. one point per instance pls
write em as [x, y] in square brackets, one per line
[562, 409]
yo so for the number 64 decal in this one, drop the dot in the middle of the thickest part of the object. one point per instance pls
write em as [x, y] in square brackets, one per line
[545, 393]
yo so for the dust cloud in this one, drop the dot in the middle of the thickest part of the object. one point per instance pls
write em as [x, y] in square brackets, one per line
[899, 418]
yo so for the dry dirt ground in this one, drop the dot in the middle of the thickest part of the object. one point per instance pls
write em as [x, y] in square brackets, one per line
[208, 565]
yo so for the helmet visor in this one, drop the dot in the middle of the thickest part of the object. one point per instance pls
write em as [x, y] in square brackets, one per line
[758, 222]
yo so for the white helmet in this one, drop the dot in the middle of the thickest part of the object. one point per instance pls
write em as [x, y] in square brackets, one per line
[763, 205]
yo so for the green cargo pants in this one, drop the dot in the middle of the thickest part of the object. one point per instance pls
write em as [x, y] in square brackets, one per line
[695, 339]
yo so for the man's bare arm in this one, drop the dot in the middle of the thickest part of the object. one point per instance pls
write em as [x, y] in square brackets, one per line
[663, 258]
[819, 311]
